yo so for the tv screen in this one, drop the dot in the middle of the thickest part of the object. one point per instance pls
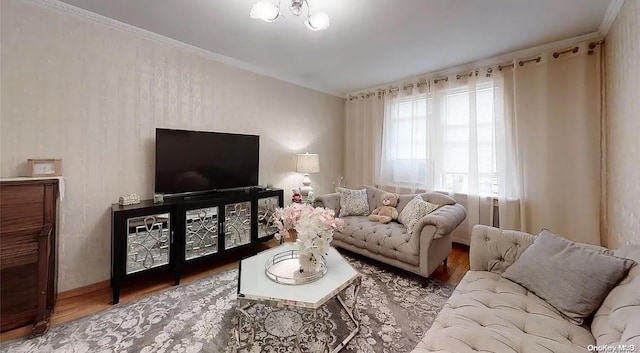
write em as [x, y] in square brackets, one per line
[188, 161]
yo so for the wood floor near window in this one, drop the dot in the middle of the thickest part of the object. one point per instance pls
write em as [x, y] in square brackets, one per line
[76, 304]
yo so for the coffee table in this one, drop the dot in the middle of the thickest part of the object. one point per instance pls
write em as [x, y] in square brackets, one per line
[254, 287]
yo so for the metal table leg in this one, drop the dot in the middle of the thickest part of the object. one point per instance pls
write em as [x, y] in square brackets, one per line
[241, 311]
[353, 313]
[243, 318]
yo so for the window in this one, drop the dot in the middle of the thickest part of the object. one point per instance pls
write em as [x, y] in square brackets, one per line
[406, 139]
[435, 141]
[459, 136]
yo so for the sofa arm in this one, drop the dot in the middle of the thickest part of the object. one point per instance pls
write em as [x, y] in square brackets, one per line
[330, 201]
[494, 249]
[445, 219]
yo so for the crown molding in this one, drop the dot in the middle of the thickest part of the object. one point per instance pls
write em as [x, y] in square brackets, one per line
[610, 16]
[77, 12]
[494, 60]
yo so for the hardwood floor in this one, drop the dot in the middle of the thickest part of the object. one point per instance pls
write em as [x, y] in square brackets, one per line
[457, 265]
[76, 304]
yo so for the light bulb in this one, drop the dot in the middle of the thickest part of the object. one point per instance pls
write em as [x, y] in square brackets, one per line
[318, 21]
[296, 7]
[264, 10]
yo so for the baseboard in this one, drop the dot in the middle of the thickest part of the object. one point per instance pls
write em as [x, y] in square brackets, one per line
[84, 290]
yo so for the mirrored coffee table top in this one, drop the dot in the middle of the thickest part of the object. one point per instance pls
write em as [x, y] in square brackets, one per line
[255, 285]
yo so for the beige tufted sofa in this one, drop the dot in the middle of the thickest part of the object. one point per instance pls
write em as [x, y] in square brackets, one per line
[489, 313]
[421, 252]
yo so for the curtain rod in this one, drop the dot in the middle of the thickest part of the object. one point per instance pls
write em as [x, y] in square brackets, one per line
[537, 59]
[405, 86]
[593, 45]
[378, 92]
[569, 50]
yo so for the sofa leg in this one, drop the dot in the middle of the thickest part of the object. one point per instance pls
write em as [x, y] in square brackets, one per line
[423, 282]
[445, 261]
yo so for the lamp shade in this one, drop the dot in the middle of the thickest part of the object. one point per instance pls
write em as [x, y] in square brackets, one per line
[307, 163]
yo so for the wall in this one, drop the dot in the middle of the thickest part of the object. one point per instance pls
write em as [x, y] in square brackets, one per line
[622, 55]
[93, 95]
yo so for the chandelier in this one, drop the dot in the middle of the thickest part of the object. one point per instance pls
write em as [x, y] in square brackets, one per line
[268, 12]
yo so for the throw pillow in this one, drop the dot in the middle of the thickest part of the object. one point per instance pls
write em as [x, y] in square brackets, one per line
[574, 278]
[353, 202]
[414, 211]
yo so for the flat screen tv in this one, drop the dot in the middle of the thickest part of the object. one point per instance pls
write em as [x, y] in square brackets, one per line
[195, 161]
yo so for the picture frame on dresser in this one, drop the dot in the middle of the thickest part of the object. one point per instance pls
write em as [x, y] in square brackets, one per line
[44, 167]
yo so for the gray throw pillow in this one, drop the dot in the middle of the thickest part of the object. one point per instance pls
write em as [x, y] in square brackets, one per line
[572, 277]
[353, 202]
[414, 211]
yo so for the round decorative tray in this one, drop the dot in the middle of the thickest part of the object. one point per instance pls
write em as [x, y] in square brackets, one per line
[284, 268]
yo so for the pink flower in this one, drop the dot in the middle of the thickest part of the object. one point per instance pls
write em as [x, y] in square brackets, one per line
[309, 222]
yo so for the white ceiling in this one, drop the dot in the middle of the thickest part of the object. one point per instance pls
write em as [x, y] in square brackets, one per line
[370, 42]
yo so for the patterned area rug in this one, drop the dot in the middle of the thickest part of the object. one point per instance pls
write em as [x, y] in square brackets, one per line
[199, 317]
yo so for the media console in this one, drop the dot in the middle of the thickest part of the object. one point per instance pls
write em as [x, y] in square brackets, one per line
[150, 237]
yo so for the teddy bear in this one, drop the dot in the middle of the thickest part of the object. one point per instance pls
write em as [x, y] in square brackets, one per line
[387, 212]
[296, 197]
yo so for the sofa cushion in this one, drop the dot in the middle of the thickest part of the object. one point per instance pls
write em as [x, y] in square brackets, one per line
[373, 195]
[489, 313]
[330, 201]
[390, 240]
[617, 321]
[431, 197]
[353, 202]
[571, 277]
[414, 211]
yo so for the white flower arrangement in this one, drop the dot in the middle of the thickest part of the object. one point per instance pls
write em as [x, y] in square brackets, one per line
[314, 226]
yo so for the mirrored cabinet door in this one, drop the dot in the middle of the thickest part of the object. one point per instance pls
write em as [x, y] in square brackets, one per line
[201, 232]
[237, 224]
[266, 216]
[148, 242]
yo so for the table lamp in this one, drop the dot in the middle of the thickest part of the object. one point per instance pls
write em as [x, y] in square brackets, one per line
[307, 163]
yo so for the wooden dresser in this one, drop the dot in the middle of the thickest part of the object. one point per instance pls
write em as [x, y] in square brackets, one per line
[28, 249]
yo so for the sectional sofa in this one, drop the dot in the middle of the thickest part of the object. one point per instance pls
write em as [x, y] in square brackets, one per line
[489, 313]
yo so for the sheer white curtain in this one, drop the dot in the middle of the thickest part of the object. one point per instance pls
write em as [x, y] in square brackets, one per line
[363, 138]
[445, 138]
[527, 134]
[471, 120]
[509, 170]
[405, 163]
